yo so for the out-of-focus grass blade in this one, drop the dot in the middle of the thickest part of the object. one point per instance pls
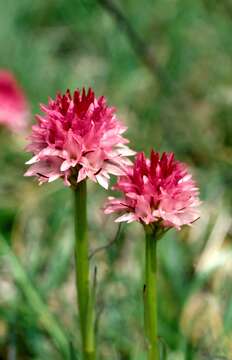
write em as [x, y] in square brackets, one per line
[189, 351]
[46, 319]
[163, 349]
[72, 351]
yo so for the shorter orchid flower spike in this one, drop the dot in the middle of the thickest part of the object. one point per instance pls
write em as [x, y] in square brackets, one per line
[78, 137]
[158, 192]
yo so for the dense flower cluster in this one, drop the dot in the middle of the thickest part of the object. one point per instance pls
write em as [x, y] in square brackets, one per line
[77, 137]
[156, 190]
[13, 105]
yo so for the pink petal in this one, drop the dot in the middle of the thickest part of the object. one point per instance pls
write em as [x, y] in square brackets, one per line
[102, 180]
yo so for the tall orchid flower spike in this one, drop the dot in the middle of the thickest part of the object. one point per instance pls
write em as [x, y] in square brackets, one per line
[14, 109]
[79, 137]
[160, 194]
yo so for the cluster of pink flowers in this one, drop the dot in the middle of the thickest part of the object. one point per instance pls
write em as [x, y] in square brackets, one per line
[13, 105]
[78, 137]
[156, 190]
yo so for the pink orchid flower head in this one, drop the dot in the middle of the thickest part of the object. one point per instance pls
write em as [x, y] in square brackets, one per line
[158, 191]
[78, 136]
[14, 110]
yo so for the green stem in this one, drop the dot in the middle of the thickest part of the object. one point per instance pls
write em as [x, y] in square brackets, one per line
[150, 297]
[85, 303]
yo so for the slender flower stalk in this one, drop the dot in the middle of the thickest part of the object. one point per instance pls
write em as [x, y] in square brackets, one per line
[86, 307]
[150, 296]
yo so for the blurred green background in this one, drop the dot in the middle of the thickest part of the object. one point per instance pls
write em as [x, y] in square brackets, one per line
[167, 67]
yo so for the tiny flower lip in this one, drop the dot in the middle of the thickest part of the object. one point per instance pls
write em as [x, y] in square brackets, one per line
[156, 190]
[33, 160]
[78, 131]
